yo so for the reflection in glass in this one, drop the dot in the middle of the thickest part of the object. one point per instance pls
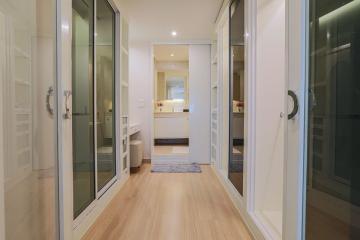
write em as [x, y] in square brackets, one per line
[175, 88]
[333, 179]
[237, 79]
[105, 93]
[28, 129]
[82, 105]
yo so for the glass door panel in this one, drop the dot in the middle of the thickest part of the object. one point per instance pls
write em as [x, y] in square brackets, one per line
[105, 93]
[83, 105]
[237, 80]
[333, 179]
[28, 117]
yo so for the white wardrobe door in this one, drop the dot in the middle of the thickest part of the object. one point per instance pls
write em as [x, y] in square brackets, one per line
[199, 96]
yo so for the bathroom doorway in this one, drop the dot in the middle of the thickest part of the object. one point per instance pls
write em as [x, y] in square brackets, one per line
[181, 109]
[171, 101]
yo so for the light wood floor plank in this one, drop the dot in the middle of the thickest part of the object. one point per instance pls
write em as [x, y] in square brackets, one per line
[170, 206]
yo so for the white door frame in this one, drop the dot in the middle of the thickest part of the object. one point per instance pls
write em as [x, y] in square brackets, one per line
[295, 139]
[64, 151]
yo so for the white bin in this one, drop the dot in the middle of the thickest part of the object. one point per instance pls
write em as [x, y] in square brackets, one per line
[136, 153]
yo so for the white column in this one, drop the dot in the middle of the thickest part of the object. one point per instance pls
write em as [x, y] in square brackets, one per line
[199, 99]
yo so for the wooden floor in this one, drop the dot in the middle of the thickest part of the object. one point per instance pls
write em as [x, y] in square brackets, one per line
[170, 206]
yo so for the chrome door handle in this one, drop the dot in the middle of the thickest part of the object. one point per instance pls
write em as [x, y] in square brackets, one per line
[49, 94]
[296, 104]
[67, 114]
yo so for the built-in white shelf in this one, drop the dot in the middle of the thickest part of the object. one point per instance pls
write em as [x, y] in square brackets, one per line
[22, 82]
[124, 96]
[214, 60]
[124, 50]
[21, 53]
[23, 110]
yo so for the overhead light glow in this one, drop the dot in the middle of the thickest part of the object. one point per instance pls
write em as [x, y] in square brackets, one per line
[171, 55]
[174, 33]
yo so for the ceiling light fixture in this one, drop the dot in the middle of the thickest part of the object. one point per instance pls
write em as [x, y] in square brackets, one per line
[174, 33]
[171, 55]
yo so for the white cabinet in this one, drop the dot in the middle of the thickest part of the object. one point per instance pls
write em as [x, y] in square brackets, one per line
[171, 125]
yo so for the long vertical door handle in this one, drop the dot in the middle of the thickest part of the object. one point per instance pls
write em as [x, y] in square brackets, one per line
[296, 104]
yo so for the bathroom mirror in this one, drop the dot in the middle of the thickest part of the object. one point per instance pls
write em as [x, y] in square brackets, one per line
[171, 78]
[175, 88]
[172, 86]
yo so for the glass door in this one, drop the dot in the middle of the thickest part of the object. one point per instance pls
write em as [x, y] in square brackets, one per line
[83, 105]
[105, 93]
[333, 158]
[93, 102]
[322, 190]
[28, 150]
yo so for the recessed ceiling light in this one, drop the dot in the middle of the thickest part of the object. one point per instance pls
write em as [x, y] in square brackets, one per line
[171, 55]
[173, 33]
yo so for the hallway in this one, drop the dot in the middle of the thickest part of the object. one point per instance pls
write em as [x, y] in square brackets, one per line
[170, 206]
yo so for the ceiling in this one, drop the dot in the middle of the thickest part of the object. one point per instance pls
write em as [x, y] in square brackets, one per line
[154, 20]
[165, 52]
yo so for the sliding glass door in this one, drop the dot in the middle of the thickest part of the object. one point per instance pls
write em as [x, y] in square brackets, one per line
[28, 125]
[105, 93]
[93, 59]
[333, 174]
[83, 104]
[237, 100]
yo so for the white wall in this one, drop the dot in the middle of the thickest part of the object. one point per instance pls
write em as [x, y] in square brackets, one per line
[140, 91]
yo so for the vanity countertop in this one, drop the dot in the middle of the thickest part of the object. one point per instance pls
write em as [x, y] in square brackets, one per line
[170, 114]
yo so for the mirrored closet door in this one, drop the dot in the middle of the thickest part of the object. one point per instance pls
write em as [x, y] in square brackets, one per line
[93, 89]
[237, 100]
[333, 157]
